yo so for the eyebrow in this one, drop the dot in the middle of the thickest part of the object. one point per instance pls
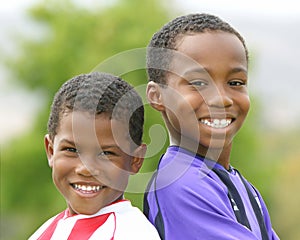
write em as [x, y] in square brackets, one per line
[64, 140]
[103, 147]
[195, 70]
[204, 70]
[238, 69]
[110, 146]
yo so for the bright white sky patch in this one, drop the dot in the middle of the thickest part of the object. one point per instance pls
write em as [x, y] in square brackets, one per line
[275, 8]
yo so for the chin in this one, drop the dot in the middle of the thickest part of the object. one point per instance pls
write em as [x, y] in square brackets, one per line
[84, 211]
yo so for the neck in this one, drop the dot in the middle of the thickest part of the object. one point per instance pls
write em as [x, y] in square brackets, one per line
[220, 155]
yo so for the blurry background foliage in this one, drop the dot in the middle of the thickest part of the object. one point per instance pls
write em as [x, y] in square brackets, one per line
[73, 41]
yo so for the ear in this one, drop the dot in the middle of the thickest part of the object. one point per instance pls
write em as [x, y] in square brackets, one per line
[138, 158]
[154, 96]
[49, 149]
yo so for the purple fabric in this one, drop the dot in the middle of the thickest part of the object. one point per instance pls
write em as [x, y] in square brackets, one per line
[194, 203]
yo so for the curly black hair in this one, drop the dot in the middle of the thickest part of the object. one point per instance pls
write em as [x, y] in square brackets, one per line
[99, 93]
[167, 37]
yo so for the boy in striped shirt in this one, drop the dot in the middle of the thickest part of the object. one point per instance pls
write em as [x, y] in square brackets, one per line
[93, 145]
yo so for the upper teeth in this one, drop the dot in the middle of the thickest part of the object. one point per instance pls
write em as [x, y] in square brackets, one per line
[216, 123]
[87, 188]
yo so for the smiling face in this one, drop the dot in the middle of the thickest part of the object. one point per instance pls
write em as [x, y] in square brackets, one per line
[91, 160]
[205, 102]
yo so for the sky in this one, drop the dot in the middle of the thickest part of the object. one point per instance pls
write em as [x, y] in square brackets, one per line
[271, 29]
[266, 8]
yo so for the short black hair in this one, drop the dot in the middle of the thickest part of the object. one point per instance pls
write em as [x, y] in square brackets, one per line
[99, 93]
[167, 38]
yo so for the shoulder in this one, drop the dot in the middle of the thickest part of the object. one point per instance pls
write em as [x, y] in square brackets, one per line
[133, 224]
[194, 180]
[43, 227]
[180, 170]
[128, 214]
[196, 192]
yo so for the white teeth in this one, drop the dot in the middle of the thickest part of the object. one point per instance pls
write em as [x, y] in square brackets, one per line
[216, 123]
[87, 188]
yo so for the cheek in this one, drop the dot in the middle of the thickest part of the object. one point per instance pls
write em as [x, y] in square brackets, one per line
[245, 104]
[58, 174]
[60, 168]
[116, 171]
[188, 107]
[182, 111]
[118, 178]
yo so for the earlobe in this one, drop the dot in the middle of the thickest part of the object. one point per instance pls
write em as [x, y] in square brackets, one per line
[154, 96]
[138, 158]
[49, 149]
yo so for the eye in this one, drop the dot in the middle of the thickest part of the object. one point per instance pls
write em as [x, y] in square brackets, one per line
[105, 153]
[105, 156]
[198, 83]
[237, 82]
[71, 149]
[70, 152]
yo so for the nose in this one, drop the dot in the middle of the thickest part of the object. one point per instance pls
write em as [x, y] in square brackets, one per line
[219, 98]
[86, 168]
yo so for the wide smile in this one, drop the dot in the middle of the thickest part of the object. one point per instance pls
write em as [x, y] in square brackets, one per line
[216, 122]
[87, 188]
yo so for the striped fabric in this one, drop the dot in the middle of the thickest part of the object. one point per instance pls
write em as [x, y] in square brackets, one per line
[117, 221]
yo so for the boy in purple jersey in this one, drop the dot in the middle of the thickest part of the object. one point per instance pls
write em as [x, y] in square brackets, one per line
[198, 75]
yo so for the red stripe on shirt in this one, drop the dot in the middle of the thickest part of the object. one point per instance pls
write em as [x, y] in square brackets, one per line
[47, 234]
[84, 228]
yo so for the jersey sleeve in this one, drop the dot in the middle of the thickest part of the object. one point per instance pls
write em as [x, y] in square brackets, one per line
[197, 207]
[134, 225]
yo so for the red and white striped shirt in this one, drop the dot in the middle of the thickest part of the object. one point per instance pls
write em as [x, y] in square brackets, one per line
[117, 221]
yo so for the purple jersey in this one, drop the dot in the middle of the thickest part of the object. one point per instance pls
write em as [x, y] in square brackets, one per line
[191, 201]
